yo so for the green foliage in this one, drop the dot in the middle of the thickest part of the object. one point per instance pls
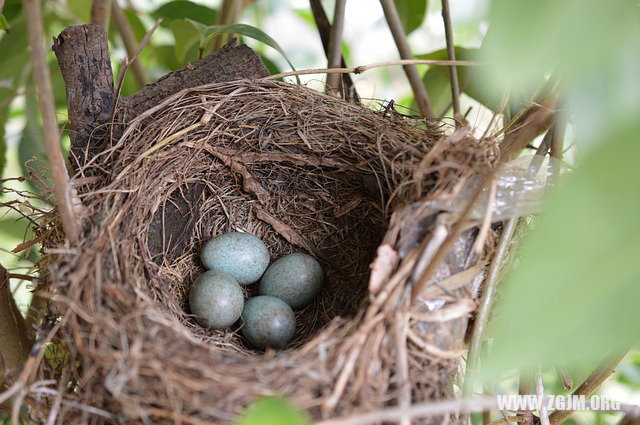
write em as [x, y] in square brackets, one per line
[4, 25]
[272, 411]
[412, 13]
[81, 9]
[438, 82]
[182, 9]
[578, 273]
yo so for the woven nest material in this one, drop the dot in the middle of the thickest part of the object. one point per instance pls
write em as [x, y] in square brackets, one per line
[306, 173]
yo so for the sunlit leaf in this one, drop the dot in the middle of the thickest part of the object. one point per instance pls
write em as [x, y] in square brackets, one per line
[4, 25]
[412, 13]
[186, 36]
[182, 9]
[575, 295]
[272, 411]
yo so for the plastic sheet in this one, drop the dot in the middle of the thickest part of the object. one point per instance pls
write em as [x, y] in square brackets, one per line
[520, 188]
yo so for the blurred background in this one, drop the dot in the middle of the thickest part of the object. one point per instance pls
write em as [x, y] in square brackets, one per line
[591, 48]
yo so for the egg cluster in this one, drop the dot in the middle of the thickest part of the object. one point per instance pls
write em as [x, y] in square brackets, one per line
[234, 259]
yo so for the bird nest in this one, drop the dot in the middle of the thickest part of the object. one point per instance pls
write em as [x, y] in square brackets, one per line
[303, 171]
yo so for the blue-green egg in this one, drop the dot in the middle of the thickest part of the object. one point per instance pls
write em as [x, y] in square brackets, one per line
[295, 278]
[268, 322]
[216, 300]
[242, 255]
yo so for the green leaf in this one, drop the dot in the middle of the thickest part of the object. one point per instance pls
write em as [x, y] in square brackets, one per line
[4, 25]
[3, 144]
[272, 411]
[166, 55]
[574, 296]
[208, 32]
[186, 36]
[14, 58]
[412, 13]
[182, 9]
[438, 82]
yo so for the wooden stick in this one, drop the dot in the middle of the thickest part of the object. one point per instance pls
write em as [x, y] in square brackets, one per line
[100, 11]
[544, 415]
[130, 43]
[64, 194]
[451, 53]
[334, 56]
[419, 90]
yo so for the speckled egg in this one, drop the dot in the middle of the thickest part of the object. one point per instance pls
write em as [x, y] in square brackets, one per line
[216, 300]
[243, 255]
[268, 322]
[295, 278]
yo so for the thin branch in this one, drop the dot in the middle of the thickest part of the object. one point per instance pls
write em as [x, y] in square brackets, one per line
[64, 194]
[100, 11]
[544, 415]
[486, 301]
[364, 68]
[565, 378]
[1, 6]
[419, 90]
[422, 410]
[130, 43]
[334, 57]
[557, 140]
[593, 381]
[228, 15]
[324, 28]
[451, 53]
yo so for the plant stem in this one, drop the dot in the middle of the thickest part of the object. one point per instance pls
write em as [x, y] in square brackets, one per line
[451, 53]
[100, 11]
[130, 43]
[227, 16]
[419, 90]
[335, 46]
[324, 29]
[64, 194]
[593, 381]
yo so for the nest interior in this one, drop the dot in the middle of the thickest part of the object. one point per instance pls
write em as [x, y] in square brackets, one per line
[303, 171]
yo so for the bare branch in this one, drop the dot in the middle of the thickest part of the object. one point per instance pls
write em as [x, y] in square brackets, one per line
[65, 195]
[130, 43]
[419, 91]
[335, 46]
[228, 15]
[544, 415]
[451, 53]
[100, 11]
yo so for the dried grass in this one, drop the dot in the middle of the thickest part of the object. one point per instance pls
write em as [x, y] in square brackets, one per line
[305, 172]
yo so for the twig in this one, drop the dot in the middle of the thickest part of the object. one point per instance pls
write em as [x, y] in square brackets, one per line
[451, 54]
[557, 141]
[401, 327]
[1, 6]
[324, 28]
[593, 381]
[565, 378]
[335, 46]
[363, 68]
[544, 415]
[482, 316]
[129, 40]
[419, 90]
[100, 11]
[228, 14]
[422, 410]
[64, 194]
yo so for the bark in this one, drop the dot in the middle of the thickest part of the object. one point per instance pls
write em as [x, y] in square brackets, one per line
[83, 55]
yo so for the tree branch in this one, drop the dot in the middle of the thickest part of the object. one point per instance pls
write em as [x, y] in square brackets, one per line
[227, 16]
[324, 29]
[395, 25]
[65, 195]
[451, 53]
[100, 11]
[130, 43]
[335, 46]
